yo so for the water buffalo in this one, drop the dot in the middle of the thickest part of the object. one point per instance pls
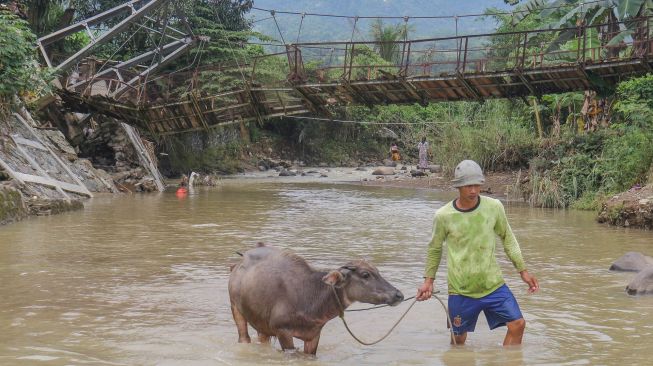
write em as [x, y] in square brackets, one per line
[280, 295]
[631, 261]
[642, 283]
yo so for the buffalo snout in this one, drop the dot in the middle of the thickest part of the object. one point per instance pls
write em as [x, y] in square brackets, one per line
[396, 299]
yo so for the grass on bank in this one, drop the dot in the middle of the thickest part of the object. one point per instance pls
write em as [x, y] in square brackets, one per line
[576, 169]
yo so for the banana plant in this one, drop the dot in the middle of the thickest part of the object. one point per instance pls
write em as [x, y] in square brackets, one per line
[619, 16]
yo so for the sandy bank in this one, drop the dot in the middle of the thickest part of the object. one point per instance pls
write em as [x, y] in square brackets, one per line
[497, 183]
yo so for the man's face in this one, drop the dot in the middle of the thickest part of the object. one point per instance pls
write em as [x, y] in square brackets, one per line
[469, 192]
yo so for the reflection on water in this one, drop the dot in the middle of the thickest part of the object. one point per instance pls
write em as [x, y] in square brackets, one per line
[142, 280]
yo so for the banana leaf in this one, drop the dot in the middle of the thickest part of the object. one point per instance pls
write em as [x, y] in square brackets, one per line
[620, 37]
[530, 7]
[628, 8]
[554, 7]
[562, 38]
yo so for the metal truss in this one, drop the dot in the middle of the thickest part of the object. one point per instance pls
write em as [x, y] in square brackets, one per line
[139, 11]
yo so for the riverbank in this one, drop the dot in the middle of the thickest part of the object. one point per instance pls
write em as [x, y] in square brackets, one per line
[633, 208]
[498, 184]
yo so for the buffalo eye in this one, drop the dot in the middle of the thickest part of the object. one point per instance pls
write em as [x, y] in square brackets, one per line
[365, 275]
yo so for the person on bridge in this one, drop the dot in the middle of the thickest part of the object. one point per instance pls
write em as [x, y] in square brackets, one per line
[468, 225]
[394, 152]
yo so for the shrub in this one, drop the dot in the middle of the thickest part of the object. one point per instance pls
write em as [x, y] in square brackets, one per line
[19, 71]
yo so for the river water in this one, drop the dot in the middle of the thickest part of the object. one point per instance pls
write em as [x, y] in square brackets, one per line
[142, 280]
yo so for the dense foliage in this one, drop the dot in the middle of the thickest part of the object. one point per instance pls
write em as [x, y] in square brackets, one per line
[565, 162]
[19, 70]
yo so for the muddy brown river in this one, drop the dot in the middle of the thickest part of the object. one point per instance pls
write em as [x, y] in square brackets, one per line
[142, 280]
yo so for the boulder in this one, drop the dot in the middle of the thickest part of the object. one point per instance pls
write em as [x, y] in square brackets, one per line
[642, 283]
[418, 173]
[435, 168]
[631, 262]
[384, 170]
[389, 163]
[287, 173]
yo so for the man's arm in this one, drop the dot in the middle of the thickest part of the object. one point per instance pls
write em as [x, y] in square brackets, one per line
[510, 244]
[511, 247]
[433, 257]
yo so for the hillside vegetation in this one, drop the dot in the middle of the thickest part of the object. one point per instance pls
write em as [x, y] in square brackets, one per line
[568, 157]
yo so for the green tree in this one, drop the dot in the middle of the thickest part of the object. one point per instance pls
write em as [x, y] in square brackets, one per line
[19, 71]
[386, 37]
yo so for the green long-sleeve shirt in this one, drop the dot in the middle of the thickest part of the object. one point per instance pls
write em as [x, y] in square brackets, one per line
[473, 270]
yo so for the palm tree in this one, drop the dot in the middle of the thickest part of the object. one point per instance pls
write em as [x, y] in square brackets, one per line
[386, 37]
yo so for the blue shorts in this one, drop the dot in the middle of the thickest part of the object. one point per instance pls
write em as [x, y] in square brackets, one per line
[500, 307]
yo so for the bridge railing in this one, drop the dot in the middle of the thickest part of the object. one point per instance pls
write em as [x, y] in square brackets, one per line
[335, 62]
[482, 53]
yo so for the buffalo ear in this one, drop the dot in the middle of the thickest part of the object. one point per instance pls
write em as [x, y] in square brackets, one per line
[333, 278]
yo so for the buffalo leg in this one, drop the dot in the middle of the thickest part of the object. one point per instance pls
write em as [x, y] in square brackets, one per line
[241, 324]
[263, 338]
[310, 347]
[286, 341]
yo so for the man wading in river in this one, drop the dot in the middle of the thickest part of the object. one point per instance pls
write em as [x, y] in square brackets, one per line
[468, 225]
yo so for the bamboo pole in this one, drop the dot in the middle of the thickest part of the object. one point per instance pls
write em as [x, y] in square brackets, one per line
[538, 118]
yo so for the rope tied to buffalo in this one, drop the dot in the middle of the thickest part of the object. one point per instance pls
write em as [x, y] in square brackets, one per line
[342, 316]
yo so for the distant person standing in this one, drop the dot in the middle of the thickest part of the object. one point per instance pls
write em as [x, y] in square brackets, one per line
[394, 152]
[423, 148]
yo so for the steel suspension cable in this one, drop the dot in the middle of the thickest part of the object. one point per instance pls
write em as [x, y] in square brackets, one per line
[424, 16]
[233, 53]
[158, 53]
[120, 48]
[387, 123]
[299, 32]
[272, 12]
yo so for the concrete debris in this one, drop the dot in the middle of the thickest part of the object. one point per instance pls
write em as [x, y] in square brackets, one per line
[41, 173]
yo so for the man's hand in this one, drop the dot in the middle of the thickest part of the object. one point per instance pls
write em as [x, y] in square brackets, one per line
[531, 281]
[425, 291]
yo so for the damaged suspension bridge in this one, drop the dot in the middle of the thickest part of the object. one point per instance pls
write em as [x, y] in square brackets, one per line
[467, 67]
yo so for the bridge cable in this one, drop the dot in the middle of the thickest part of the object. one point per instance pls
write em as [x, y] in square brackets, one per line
[272, 12]
[424, 16]
[388, 123]
[299, 32]
[159, 49]
[353, 30]
[140, 26]
[193, 64]
[226, 38]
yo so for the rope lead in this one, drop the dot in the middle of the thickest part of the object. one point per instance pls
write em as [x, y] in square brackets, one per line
[342, 310]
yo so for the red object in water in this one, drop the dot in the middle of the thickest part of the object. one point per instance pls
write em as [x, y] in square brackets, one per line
[181, 192]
